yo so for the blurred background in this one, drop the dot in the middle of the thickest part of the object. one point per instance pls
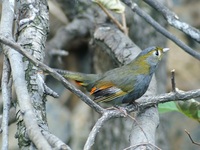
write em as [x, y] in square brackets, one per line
[69, 118]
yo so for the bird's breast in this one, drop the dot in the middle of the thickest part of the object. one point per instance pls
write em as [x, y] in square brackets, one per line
[140, 87]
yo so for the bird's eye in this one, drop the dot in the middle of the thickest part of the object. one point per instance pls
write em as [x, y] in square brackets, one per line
[156, 53]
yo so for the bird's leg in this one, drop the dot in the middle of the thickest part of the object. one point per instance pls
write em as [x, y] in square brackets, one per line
[135, 104]
[121, 109]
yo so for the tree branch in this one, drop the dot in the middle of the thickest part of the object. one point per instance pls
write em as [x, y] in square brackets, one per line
[191, 139]
[174, 21]
[173, 81]
[6, 96]
[52, 72]
[18, 78]
[146, 102]
[118, 24]
[107, 115]
[54, 141]
[161, 29]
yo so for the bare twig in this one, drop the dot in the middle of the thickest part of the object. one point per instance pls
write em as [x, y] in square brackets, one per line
[54, 141]
[142, 144]
[6, 29]
[161, 29]
[107, 115]
[189, 135]
[6, 96]
[112, 18]
[58, 52]
[47, 90]
[125, 29]
[138, 126]
[173, 20]
[172, 96]
[173, 80]
[56, 75]
[12, 116]
[26, 108]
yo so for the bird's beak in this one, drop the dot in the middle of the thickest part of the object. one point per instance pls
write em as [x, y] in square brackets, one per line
[165, 49]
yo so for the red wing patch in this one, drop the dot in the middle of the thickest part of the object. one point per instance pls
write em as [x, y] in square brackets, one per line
[93, 90]
[106, 91]
[80, 83]
[100, 87]
[109, 95]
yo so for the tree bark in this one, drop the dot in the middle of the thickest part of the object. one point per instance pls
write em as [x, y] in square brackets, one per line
[33, 26]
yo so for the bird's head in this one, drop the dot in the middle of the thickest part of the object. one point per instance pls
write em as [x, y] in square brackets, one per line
[150, 57]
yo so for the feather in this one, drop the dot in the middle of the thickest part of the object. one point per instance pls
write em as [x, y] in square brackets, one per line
[106, 92]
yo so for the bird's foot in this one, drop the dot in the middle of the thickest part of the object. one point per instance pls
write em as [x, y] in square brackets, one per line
[133, 104]
[121, 109]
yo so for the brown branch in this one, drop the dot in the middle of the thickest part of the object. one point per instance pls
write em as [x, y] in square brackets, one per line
[122, 28]
[173, 81]
[189, 135]
[174, 21]
[125, 29]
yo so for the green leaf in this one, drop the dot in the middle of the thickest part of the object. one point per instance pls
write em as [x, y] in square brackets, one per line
[167, 107]
[113, 5]
[190, 108]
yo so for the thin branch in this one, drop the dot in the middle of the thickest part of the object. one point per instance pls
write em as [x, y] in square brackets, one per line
[174, 21]
[56, 75]
[47, 90]
[26, 109]
[125, 29]
[173, 81]
[54, 141]
[112, 18]
[12, 117]
[6, 30]
[142, 144]
[58, 52]
[6, 96]
[146, 102]
[107, 115]
[161, 29]
[139, 126]
[189, 135]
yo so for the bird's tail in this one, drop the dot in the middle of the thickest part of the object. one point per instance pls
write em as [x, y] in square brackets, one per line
[82, 79]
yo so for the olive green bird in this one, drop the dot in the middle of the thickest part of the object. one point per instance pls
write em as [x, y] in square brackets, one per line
[124, 84]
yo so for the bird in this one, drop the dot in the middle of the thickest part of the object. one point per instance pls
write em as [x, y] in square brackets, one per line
[122, 85]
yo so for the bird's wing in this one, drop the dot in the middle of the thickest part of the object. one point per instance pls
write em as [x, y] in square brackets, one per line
[106, 91]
